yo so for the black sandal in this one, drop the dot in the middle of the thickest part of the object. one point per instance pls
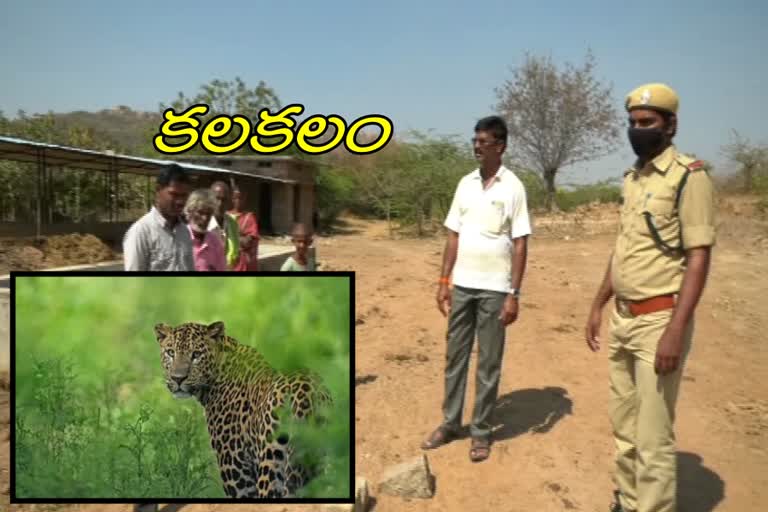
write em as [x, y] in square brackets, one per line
[480, 450]
[439, 437]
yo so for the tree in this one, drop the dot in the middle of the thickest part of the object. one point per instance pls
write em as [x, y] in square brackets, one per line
[382, 185]
[410, 181]
[229, 98]
[79, 194]
[433, 167]
[753, 158]
[557, 117]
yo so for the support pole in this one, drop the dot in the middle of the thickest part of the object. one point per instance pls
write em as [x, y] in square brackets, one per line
[38, 195]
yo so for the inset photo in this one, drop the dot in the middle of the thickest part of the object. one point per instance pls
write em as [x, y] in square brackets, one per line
[181, 388]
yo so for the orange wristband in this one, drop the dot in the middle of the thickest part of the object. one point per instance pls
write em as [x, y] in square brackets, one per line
[445, 280]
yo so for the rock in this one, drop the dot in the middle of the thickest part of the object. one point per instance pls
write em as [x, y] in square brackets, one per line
[362, 499]
[410, 479]
[362, 494]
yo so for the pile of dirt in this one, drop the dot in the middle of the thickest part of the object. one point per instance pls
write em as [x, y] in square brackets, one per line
[76, 249]
[14, 257]
[53, 251]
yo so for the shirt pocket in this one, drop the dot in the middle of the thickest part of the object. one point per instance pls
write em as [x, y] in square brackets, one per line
[625, 210]
[659, 210]
[161, 256]
[494, 217]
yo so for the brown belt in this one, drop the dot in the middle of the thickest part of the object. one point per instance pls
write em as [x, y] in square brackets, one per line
[644, 307]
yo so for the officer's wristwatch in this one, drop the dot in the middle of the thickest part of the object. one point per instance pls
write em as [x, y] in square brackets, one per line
[515, 292]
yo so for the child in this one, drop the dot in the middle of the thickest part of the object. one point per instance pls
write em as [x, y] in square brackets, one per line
[300, 261]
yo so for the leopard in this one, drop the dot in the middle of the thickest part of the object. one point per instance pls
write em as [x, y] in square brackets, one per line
[241, 394]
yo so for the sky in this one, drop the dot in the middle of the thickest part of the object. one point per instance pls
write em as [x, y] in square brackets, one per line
[427, 65]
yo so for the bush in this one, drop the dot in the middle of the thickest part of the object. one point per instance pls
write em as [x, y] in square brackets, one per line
[600, 192]
[535, 188]
[335, 193]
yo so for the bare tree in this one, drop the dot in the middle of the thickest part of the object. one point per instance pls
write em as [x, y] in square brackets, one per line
[557, 117]
[751, 157]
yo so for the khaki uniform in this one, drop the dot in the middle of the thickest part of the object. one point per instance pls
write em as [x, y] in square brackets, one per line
[642, 404]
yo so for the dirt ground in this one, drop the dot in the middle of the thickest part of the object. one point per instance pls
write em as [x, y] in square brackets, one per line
[553, 448]
[52, 251]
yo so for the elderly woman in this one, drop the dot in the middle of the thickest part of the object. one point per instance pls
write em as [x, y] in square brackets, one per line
[208, 249]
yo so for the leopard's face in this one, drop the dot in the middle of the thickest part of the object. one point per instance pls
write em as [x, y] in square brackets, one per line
[187, 356]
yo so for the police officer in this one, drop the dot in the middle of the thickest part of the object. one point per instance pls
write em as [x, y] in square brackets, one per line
[657, 273]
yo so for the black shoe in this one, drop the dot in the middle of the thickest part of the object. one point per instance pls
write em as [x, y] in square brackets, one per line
[150, 507]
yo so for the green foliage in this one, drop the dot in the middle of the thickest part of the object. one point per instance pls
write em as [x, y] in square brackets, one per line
[606, 191]
[751, 160]
[430, 168]
[411, 182]
[229, 98]
[79, 195]
[535, 188]
[93, 415]
[335, 191]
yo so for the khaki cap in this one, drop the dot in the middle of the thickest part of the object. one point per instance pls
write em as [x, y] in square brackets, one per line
[653, 96]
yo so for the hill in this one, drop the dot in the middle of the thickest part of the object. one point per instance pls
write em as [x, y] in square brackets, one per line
[129, 129]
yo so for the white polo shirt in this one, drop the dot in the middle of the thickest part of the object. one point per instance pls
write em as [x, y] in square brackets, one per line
[487, 221]
[151, 243]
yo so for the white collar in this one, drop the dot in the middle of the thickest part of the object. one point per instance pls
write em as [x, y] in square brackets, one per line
[476, 173]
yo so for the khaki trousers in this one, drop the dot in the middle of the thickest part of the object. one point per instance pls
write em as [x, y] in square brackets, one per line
[642, 411]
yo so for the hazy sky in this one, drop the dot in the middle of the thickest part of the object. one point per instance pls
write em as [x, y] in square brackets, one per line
[428, 65]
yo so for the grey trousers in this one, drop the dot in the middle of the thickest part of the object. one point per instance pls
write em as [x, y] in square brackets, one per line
[473, 311]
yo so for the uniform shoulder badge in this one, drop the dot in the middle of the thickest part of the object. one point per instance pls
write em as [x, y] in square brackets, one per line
[692, 164]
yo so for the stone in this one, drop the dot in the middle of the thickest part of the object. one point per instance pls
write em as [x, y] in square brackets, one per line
[362, 494]
[362, 499]
[411, 479]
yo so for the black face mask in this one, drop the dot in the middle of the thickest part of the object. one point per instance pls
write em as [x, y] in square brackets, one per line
[646, 141]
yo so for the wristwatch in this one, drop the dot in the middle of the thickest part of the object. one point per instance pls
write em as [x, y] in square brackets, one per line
[515, 292]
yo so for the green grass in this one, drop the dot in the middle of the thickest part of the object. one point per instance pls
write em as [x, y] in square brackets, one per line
[93, 416]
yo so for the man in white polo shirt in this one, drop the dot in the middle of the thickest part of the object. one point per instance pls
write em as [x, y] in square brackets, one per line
[486, 251]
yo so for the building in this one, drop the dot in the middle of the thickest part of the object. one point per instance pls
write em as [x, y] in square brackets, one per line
[281, 191]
